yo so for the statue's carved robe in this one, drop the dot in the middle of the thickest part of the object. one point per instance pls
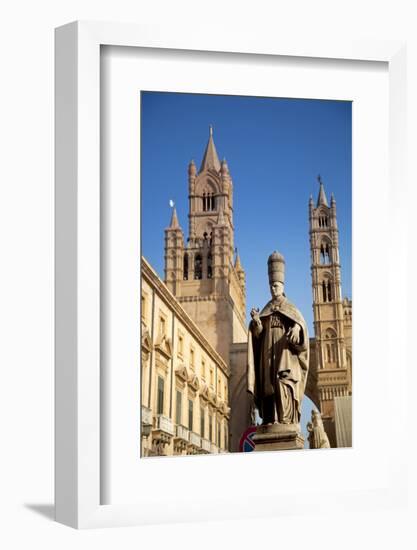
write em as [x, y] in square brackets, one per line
[277, 369]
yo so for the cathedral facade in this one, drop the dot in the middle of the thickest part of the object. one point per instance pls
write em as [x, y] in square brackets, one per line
[204, 276]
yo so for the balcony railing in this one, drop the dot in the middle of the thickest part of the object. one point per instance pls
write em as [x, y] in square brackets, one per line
[182, 432]
[164, 424]
[195, 440]
[206, 445]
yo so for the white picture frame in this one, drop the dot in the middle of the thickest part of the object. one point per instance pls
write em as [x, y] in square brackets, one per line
[78, 435]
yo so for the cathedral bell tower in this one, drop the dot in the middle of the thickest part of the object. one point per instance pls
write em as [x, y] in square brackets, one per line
[333, 375]
[202, 273]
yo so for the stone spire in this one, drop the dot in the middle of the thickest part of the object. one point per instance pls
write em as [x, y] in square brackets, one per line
[174, 220]
[238, 265]
[322, 199]
[210, 159]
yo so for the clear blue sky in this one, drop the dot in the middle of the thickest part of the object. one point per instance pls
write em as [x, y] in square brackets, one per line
[275, 148]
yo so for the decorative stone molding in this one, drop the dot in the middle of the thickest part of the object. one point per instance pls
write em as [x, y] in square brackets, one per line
[223, 409]
[146, 342]
[204, 392]
[193, 382]
[213, 398]
[164, 347]
[182, 373]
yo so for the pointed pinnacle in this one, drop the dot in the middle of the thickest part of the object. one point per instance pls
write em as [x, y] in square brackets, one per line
[210, 158]
[322, 199]
[174, 220]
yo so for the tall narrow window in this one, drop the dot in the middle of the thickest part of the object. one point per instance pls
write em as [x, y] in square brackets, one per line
[190, 415]
[218, 433]
[210, 427]
[209, 266]
[178, 408]
[160, 397]
[203, 369]
[198, 267]
[162, 326]
[185, 273]
[180, 344]
[192, 358]
[202, 426]
[226, 446]
[324, 291]
[329, 291]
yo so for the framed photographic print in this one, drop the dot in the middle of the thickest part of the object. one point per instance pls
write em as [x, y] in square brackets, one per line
[221, 209]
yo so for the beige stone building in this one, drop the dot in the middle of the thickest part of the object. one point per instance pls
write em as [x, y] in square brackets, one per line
[184, 381]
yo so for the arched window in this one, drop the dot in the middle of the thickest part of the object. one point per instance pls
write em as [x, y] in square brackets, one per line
[208, 201]
[323, 220]
[198, 267]
[325, 253]
[330, 346]
[185, 266]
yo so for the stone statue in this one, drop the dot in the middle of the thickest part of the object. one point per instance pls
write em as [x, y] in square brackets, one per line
[278, 354]
[317, 437]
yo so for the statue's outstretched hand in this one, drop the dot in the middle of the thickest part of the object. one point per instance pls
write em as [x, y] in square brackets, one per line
[293, 334]
[254, 313]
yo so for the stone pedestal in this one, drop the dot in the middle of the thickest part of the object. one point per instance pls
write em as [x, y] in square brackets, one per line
[278, 437]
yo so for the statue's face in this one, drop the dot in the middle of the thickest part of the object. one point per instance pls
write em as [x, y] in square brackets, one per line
[277, 289]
